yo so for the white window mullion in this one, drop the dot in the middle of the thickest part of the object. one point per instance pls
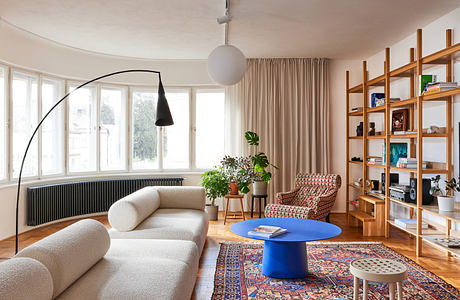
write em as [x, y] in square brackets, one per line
[66, 128]
[129, 131]
[39, 117]
[192, 164]
[98, 128]
[160, 148]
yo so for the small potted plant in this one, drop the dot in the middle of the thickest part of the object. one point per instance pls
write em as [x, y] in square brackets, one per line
[445, 201]
[216, 185]
[261, 164]
[239, 172]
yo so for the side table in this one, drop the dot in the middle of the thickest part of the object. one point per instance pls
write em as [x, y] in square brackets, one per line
[235, 216]
[260, 197]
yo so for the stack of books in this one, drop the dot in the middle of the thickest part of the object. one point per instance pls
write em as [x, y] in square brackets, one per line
[358, 108]
[409, 223]
[409, 163]
[423, 80]
[266, 231]
[404, 132]
[375, 161]
[436, 87]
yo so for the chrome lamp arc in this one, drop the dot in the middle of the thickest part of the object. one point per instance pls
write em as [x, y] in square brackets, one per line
[163, 118]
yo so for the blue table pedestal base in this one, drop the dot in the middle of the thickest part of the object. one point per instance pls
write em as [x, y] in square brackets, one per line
[285, 259]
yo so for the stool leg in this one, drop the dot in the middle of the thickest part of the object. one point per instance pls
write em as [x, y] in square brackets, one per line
[252, 206]
[365, 289]
[400, 294]
[392, 290]
[355, 288]
[226, 210]
[242, 210]
[260, 208]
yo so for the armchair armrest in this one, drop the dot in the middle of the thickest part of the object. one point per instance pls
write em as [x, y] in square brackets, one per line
[286, 197]
[323, 204]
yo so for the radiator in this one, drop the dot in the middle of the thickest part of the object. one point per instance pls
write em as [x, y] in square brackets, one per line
[57, 201]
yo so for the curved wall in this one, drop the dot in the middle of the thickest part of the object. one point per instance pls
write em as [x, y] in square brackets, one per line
[25, 50]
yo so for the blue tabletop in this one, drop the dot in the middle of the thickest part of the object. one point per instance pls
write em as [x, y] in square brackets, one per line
[298, 230]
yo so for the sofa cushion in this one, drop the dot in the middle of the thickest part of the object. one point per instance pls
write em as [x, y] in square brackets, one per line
[134, 278]
[184, 251]
[192, 197]
[128, 212]
[170, 224]
[70, 252]
[25, 278]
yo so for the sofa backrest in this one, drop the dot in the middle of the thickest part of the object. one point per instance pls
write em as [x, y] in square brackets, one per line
[26, 279]
[191, 197]
[70, 252]
[130, 211]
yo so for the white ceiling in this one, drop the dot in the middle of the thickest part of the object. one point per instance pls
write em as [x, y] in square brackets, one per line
[187, 29]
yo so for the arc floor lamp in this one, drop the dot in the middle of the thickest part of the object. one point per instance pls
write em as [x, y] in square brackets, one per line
[163, 118]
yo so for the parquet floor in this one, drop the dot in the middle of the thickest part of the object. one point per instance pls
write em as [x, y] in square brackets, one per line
[434, 260]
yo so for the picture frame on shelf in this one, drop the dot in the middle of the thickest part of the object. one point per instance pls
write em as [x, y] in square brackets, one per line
[397, 151]
[400, 120]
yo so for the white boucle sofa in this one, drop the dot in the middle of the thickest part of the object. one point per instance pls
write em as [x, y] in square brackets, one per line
[83, 262]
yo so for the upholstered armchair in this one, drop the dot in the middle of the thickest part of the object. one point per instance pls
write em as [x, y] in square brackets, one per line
[313, 198]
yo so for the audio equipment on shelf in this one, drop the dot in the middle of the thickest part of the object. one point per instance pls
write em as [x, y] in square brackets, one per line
[427, 199]
[400, 192]
[394, 178]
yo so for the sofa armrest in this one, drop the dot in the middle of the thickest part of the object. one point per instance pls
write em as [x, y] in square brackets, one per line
[286, 197]
[191, 197]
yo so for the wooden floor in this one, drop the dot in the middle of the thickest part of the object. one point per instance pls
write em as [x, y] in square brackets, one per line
[433, 259]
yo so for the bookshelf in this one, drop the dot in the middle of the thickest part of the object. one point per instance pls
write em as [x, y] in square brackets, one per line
[414, 103]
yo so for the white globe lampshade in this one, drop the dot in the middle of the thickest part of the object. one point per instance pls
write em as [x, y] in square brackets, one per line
[226, 65]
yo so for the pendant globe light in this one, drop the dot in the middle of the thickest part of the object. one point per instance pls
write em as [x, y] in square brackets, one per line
[226, 63]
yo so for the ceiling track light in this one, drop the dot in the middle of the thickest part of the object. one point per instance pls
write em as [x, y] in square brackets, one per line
[226, 63]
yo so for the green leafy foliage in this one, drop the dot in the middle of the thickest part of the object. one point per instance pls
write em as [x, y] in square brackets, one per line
[216, 184]
[451, 185]
[259, 160]
[144, 131]
[252, 138]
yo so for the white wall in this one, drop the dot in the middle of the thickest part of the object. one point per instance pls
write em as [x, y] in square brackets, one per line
[434, 113]
[22, 49]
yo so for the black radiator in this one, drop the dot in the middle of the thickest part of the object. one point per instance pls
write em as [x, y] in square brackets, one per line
[57, 201]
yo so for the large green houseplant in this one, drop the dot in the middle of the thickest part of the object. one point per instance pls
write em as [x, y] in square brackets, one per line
[261, 165]
[215, 182]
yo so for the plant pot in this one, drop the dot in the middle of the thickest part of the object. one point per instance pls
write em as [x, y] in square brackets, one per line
[446, 203]
[233, 188]
[212, 211]
[259, 188]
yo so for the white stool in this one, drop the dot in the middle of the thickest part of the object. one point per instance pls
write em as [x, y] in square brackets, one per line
[380, 270]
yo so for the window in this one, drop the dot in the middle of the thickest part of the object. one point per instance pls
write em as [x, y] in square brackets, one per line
[209, 137]
[52, 140]
[176, 137]
[112, 128]
[3, 161]
[25, 115]
[82, 129]
[144, 132]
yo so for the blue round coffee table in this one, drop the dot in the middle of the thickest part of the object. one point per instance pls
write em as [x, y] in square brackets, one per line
[285, 256]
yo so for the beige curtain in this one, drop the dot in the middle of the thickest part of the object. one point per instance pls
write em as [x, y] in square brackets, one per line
[286, 102]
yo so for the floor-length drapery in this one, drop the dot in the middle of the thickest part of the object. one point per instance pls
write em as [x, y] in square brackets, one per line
[286, 101]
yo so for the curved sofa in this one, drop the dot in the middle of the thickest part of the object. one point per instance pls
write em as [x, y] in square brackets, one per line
[152, 252]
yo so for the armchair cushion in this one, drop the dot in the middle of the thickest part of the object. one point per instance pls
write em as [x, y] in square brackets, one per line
[287, 211]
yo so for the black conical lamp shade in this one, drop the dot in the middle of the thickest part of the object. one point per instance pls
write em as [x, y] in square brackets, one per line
[164, 117]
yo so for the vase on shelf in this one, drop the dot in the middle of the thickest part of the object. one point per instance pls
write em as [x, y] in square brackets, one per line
[446, 203]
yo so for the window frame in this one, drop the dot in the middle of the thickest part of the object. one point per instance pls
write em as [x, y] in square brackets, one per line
[41, 113]
[128, 89]
[6, 118]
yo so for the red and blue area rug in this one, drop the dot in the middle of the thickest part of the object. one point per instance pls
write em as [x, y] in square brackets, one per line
[239, 274]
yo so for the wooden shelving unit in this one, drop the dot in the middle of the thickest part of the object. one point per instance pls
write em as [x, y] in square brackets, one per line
[414, 103]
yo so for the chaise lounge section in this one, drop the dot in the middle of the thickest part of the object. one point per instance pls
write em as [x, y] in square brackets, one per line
[83, 262]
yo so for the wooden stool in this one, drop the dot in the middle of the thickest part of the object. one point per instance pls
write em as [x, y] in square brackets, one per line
[260, 197]
[228, 197]
[380, 270]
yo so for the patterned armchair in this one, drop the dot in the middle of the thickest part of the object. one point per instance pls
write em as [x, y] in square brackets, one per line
[312, 198]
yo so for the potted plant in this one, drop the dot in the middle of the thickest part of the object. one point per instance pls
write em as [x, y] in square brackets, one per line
[216, 185]
[445, 201]
[239, 173]
[260, 164]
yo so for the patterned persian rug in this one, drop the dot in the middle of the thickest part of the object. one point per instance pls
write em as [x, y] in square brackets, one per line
[239, 266]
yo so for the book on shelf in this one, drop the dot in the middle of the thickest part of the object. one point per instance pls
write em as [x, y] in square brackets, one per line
[375, 160]
[358, 108]
[404, 132]
[409, 223]
[436, 87]
[266, 231]
[423, 80]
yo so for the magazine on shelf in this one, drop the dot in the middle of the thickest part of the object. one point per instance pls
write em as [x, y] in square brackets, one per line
[409, 223]
[267, 231]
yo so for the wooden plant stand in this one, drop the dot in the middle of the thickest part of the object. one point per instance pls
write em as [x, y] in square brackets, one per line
[235, 216]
